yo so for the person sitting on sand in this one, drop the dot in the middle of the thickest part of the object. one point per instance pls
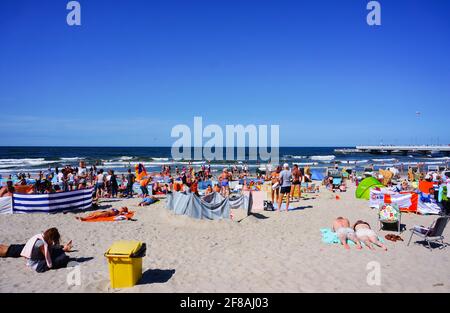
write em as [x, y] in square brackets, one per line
[148, 200]
[343, 230]
[42, 251]
[208, 190]
[217, 188]
[404, 186]
[365, 234]
[8, 190]
[105, 213]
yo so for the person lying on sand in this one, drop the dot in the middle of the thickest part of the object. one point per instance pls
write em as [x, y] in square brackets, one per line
[342, 228]
[42, 251]
[106, 213]
[365, 234]
[148, 200]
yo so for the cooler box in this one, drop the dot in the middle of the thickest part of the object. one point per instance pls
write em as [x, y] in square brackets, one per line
[125, 263]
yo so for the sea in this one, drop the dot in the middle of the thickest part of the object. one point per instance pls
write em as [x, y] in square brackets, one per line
[15, 160]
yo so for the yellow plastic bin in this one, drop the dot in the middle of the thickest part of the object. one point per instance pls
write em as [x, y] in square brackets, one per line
[125, 263]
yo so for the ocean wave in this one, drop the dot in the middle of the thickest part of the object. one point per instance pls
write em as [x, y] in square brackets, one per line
[305, 163]
[322, 157]
[437, 159]
[353, 161]
[72, 159]
[384, 160]
[25, 162]
[160, 159]
[295, 156]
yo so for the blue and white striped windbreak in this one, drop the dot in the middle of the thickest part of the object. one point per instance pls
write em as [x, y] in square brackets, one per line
[52, 203]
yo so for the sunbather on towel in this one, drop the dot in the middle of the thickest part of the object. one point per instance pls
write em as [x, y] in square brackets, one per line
[148, 200]
[343, 230]
[106, 213]
[367, 235]
[42, 251]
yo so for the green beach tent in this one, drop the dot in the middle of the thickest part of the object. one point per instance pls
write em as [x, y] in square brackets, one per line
[363, 190]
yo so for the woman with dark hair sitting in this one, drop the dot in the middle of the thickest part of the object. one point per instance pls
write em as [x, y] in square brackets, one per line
[8, 190]
[43, 251]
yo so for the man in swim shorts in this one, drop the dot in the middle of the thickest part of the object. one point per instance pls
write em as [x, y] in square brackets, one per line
[285, 183]
[343, 230]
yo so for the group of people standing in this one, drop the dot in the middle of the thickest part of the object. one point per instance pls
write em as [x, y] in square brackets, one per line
[284, 183]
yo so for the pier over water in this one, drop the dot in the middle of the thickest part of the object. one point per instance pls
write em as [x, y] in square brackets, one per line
[386, 149]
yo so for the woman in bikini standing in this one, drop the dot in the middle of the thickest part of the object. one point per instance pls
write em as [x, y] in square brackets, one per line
[275, 182]
[296, 182]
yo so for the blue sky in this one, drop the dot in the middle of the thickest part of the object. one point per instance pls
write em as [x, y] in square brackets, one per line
[136, 68]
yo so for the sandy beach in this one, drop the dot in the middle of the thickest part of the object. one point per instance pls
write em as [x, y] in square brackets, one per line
[266, 252]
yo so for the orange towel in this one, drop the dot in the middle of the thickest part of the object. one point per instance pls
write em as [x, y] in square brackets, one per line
[425, 186]
[128, 216]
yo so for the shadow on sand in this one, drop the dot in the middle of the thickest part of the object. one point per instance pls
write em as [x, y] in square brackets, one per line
[152, 276]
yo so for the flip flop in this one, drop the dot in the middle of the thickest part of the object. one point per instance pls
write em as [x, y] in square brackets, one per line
[391, 237]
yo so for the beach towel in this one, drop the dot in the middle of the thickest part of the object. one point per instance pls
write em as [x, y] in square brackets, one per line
[425, 186]
[26, 252]
[122, 217]
[330, 237]
[258, 200]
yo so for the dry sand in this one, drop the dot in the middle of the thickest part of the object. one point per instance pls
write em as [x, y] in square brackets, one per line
[269, 252]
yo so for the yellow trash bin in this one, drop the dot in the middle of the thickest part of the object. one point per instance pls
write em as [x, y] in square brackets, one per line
[125, 263]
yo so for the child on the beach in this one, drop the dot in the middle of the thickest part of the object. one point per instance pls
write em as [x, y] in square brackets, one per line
[148, 200]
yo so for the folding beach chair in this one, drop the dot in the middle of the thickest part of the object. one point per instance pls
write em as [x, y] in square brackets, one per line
[432, 233]
[389, 214]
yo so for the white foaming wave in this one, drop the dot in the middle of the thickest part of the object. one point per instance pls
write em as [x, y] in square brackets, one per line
[305, 163]
[296, 156]
[160, 159]
[192, 163]
[353, 161]
[125, 158]
[24, 162]
[71, 159]
[426, 163]
[322, 157]
[24, 170]
[437, 159]
[384, 160]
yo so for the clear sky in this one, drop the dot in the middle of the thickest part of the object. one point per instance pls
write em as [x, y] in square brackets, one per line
[136, 68]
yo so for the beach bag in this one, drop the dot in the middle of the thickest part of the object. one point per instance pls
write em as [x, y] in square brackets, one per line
[389, 213]
[268, 206]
